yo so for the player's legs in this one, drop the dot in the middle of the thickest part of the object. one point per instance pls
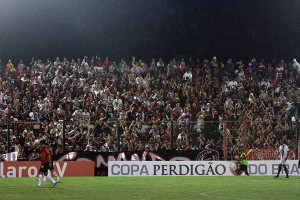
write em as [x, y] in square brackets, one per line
[40, 179]
[243, 168]
[50, 178]
[43, 170]
[283, 161]
[286, 171]
[246, 171]
[282, 164]
[49, 175]
[44, 177]
[279, 170]
[54, 172]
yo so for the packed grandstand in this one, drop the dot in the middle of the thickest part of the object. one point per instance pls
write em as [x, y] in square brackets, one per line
[147, 103]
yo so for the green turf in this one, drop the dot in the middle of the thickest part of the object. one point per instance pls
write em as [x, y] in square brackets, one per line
[240, 187]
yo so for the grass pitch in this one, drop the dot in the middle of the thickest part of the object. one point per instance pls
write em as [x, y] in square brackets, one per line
[240, 187]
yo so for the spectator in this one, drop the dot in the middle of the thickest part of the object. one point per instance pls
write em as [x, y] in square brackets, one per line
[188, 76]
[90, 93]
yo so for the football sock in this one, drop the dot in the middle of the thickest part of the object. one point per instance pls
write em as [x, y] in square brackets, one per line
[55, 174]
[279, 169]
[286, 170]
[50, 178]
[44, 178]
[40, 179]
[247, 172]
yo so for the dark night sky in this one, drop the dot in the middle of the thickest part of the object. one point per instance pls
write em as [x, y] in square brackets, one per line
[146, 29]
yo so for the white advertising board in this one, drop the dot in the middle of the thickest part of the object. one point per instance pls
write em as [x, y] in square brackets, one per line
[196, 168]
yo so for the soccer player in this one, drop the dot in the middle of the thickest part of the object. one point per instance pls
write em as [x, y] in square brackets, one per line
[51, 169]
[46, 158]
[244, 165]
[283, 151]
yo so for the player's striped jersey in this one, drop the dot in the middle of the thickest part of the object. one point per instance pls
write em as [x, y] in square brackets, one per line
[283, 150]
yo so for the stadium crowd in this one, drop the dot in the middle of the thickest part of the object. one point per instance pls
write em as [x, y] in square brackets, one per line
[147, 101]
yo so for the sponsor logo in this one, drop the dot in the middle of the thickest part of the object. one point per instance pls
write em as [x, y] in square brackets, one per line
[31, 168]
[196, 168]
[192, 168]
[13, 171]
[125, 170]
[208, 155]
[264, 155]
[258, 169]
[269, 154]
[234, 168]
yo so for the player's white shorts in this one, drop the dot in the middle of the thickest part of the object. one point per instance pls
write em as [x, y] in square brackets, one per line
[283, 161]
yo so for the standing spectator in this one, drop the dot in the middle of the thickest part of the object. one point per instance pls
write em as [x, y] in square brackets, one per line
[254, 65]
[188, 76]
[107, 64]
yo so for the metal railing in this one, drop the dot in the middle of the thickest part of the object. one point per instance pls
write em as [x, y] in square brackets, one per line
[114, 135]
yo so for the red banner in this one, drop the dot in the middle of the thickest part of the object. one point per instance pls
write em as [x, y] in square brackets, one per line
[269, 154]
[31, 169]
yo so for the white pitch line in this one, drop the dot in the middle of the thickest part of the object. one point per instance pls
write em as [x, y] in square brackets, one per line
[220, 197]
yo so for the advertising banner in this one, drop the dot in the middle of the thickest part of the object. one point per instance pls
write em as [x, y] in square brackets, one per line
[269, 154]
[195, 168]
[31, 169]
[101, 159]
[9, 156]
